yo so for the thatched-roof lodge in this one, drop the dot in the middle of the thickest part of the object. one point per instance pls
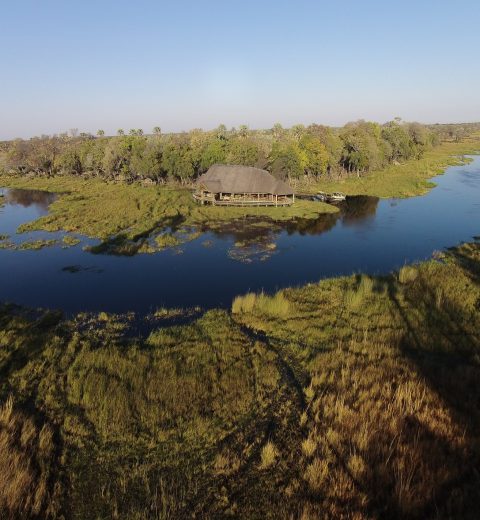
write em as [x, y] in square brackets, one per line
[230, 185]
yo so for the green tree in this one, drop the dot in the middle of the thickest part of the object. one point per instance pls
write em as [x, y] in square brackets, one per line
[398, 138]
[297, 131]
[244, 151]
[69, 162]
[316, 155]
[116, 157]
[177, 161]
[100, 133]
[287, 160]
[221, 132]
[146, 159]
[363, 149]
[213, 153]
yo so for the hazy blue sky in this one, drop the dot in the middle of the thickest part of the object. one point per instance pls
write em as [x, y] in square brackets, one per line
[182, 64]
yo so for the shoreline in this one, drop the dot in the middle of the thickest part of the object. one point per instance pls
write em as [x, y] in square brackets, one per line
[404, 180]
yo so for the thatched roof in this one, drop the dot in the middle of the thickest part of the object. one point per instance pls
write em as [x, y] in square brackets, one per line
[226, 178]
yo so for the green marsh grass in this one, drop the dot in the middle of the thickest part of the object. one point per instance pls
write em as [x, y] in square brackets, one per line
[102, 210]
[276, 305]
[325, 406]
[70, 241]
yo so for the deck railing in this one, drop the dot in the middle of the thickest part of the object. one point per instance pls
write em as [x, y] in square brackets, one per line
[280, 201]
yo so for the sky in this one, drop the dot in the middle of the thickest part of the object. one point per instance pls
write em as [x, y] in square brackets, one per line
[187, 64]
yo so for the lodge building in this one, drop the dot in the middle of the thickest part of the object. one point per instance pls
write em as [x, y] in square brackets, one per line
[231, 185]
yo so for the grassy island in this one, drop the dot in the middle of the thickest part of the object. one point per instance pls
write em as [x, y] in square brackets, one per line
[98, 209]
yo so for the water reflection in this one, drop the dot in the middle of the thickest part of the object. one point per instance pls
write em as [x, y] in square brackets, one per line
[257, 240]
[25, 198]
[358, 210]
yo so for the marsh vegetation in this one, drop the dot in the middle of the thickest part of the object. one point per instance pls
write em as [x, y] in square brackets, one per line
[353, 397]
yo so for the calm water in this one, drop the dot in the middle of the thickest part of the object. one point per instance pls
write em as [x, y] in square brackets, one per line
[370, 235]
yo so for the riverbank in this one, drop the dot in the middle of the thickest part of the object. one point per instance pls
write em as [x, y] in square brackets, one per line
[408, 179]
[305, 399]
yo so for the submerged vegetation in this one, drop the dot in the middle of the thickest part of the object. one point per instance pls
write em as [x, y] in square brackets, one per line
[356, 397]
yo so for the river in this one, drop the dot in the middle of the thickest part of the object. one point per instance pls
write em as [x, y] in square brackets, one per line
[369, 235]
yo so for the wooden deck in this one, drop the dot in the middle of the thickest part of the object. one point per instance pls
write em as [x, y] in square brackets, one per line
[284, 201]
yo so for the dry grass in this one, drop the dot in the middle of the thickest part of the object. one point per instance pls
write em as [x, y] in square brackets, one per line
[268, 455]
[316, 474]
[390, 404]
[25, 454]
[273, 306]
[336, 408]
[407, 274]
[309, 446]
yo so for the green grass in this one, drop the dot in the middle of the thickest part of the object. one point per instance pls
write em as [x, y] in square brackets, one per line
[70, 241]
[101, 210]
[35, 245]
[408, 179]
[166, 240]
[356, 397]
[276, 305]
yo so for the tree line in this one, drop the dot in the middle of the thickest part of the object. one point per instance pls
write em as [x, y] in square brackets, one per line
[293, 153]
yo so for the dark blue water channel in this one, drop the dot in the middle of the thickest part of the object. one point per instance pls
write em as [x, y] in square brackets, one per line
[368, 235]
